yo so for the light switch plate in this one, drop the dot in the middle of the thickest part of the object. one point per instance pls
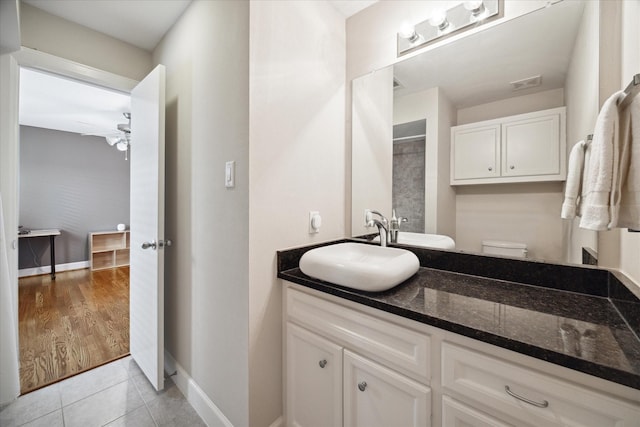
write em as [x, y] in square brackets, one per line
[315, 222]
[230, 174]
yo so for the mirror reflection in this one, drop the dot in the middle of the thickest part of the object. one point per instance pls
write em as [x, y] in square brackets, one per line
[405, 119]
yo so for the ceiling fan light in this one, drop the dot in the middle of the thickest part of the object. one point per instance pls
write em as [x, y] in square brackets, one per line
[123, 145]
[112, 140]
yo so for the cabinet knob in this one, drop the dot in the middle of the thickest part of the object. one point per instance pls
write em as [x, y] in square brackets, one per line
[362, 386]
[512, 167]
[490, 168]
[322, 363]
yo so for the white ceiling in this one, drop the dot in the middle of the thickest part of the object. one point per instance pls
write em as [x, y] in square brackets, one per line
[141, 23]
[52, 102]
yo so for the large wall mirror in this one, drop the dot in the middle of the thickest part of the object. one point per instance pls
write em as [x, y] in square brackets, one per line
[402, 117]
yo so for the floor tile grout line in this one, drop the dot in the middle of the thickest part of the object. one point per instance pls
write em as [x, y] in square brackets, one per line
[92, 394]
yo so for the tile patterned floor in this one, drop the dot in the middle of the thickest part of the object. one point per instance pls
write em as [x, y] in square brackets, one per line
[116, 394]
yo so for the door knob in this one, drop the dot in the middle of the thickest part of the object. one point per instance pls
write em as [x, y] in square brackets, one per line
[152, 244]
[164, 243]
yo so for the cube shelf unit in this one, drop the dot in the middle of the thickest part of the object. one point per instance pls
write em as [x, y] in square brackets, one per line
[109, 249]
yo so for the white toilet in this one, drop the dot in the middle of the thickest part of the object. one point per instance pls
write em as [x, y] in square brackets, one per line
[510, 249]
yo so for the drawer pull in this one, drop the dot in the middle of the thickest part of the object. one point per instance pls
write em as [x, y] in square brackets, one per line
[544, 403]
[322, 363]
[362, 386]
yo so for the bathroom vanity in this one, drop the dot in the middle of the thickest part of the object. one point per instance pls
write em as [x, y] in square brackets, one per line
[468, 340]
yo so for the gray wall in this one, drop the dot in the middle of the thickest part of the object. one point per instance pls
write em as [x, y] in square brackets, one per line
[72, 182]
[409, 183]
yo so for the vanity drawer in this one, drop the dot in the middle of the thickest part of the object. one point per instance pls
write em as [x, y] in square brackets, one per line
[395, 346]
[536, 399]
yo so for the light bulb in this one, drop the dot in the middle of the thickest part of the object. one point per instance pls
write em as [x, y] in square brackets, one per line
[439, 19]
[477, 9]
[123, 145]
[472, 5]
[112, 140]
[408, 31]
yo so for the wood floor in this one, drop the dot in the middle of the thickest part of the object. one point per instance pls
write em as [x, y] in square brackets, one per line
[71, 324]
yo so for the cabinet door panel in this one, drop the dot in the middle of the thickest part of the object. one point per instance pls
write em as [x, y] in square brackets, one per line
[456, 414]
[377, 396]
[476, 152]
[314, 379]
[531, 146]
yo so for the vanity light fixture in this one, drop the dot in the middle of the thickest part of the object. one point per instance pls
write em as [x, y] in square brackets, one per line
[443, 23]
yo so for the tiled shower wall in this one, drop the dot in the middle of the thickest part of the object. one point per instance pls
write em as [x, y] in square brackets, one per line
[408, 182]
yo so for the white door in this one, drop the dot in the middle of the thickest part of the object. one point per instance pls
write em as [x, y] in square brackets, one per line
[146, 306]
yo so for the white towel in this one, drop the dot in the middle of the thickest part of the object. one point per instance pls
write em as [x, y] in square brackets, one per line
[602, 169]
[574, 181]
[627, 208]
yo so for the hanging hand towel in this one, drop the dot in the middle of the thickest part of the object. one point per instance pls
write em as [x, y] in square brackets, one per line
[596, 206]
[627, 210]
[574, 181]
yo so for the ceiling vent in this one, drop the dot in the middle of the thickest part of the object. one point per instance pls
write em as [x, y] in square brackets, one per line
[527, 83]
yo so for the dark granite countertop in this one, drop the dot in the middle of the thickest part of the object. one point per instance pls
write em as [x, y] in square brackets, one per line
[590, 330]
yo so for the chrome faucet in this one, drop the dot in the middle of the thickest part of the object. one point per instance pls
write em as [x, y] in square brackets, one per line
[394, 226]
[383, 226]
[382, 229]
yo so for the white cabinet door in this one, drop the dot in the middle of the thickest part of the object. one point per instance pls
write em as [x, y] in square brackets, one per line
[314, 379]
[456, 414]
[531, 146]
[377, 396]
[475, 152]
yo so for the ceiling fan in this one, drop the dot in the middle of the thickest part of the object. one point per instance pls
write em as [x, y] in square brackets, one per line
[121, 141]
[120, 138]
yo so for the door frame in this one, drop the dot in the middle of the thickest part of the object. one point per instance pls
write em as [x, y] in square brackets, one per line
[42, 61]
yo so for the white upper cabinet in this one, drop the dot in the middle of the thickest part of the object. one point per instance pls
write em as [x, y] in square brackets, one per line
[523, 148]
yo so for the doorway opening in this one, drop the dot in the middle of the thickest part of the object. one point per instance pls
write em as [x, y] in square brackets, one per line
[74, 181]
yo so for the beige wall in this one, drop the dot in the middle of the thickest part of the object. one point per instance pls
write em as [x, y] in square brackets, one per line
[630, 242]
[372, 150]
[207, 278]
[60, 37]
[297, 164]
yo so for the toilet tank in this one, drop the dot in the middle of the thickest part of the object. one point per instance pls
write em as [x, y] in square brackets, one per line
[498, 247]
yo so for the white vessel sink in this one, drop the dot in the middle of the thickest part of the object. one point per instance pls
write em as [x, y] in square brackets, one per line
[360, 266]
[437, 241]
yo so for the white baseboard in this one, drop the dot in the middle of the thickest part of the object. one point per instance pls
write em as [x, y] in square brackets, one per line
[46, 269]
[208, 411]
